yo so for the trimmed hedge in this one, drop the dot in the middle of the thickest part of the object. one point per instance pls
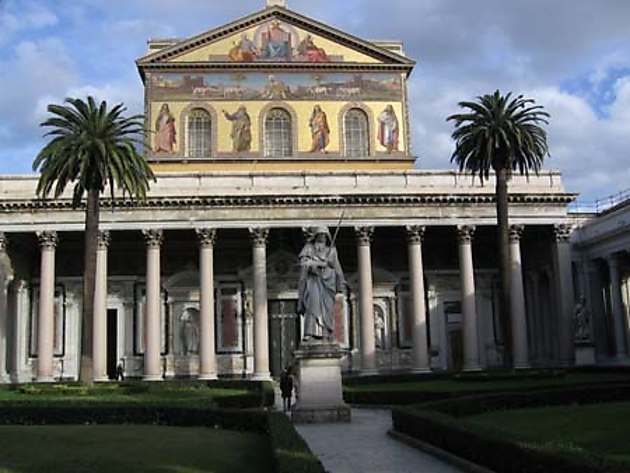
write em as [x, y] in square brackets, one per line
[440, 424]
[259, 394]
[46, 413]
[289, 450]
[480, 403]
[407, 397]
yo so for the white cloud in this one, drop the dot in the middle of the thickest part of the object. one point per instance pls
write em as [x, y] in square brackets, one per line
[23, 15]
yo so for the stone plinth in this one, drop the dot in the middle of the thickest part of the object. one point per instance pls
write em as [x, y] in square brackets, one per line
[319, 395]
[584, 353]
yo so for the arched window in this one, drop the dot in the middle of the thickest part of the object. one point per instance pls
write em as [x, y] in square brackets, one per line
[278, 133]
[355, 133]
[199, 134]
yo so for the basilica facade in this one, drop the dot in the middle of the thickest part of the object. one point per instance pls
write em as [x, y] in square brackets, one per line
[261, 129]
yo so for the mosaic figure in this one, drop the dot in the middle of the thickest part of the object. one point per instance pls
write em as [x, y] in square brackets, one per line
[165, 137]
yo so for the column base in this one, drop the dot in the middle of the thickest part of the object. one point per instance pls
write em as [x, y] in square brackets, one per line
[585, 354]
[368, 372]
[19, 377]
[265, 376]
[152, 377]
[522, 366]
[472, 368]
[422, 370]
[208, 377]
[45, 379]
[101, 379]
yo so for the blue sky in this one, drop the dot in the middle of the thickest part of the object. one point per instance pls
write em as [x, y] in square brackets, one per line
[572, 56]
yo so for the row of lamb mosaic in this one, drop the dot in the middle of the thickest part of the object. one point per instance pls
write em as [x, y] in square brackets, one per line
[277, 125]
[230, 86]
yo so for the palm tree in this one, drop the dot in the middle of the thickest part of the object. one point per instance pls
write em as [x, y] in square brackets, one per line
[504, 134]
[93, 148]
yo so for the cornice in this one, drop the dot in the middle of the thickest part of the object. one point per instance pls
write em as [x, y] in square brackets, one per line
[292, 66]
[284, 200]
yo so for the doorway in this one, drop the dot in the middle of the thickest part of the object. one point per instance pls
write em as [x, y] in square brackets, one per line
[284, 333]
[112, 340]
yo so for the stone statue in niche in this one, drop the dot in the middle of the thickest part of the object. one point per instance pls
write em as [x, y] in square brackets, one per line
[321, 279]
[189, 331]
[379, 327]
[582, 321]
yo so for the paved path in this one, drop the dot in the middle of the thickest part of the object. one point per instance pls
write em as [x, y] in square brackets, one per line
[363, 446]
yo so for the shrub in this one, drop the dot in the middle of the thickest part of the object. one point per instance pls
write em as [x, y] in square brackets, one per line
[45, 413]
[439, 424]
[290, 452]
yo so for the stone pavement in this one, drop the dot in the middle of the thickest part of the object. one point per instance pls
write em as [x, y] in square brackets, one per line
[363, 446]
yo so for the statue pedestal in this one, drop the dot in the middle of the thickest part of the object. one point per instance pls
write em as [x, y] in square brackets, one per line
[319, 395]
[584, 353]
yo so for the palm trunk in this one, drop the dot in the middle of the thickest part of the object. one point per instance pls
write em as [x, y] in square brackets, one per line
[89, 285]
[504, 262]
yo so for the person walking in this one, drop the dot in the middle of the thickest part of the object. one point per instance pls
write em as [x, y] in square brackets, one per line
[286, 389]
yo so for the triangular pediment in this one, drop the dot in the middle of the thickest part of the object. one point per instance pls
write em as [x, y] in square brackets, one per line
[274, 36]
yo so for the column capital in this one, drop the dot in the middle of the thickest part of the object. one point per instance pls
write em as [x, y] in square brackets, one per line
[207, 236]
[415, 234]
[4, 241]
[153, 238]
[562, 233]
[47, 240]
[465, 233]
[104, 239]
[364, 235]
[259, 236]
[612, 259]
[516, 232]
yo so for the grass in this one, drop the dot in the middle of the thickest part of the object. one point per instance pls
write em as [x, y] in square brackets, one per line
[598, 428]
[171, 393]
[137, 448]
[479, 384]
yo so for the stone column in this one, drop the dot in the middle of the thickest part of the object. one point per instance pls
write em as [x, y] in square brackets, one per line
[534, 316]
[519, 317]
[152, 365]
[207, 350]
[366, 299]
[617, 305]
[564, 286]
[259, 238]
[420, 358]
[45, 321]
[596, 303]
[469, 303]
[20, 314]
[5, 279]
[99, 335]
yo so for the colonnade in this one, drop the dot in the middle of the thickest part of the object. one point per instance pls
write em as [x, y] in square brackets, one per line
[259, 237]
[601, 287]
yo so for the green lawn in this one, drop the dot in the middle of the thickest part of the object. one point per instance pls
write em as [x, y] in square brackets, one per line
[478, 384]
[130, 448]
[171, 392]
[597, 428]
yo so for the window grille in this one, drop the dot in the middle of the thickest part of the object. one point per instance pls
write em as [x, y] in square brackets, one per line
[356, 136]
[199, 134]
[278, 133]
